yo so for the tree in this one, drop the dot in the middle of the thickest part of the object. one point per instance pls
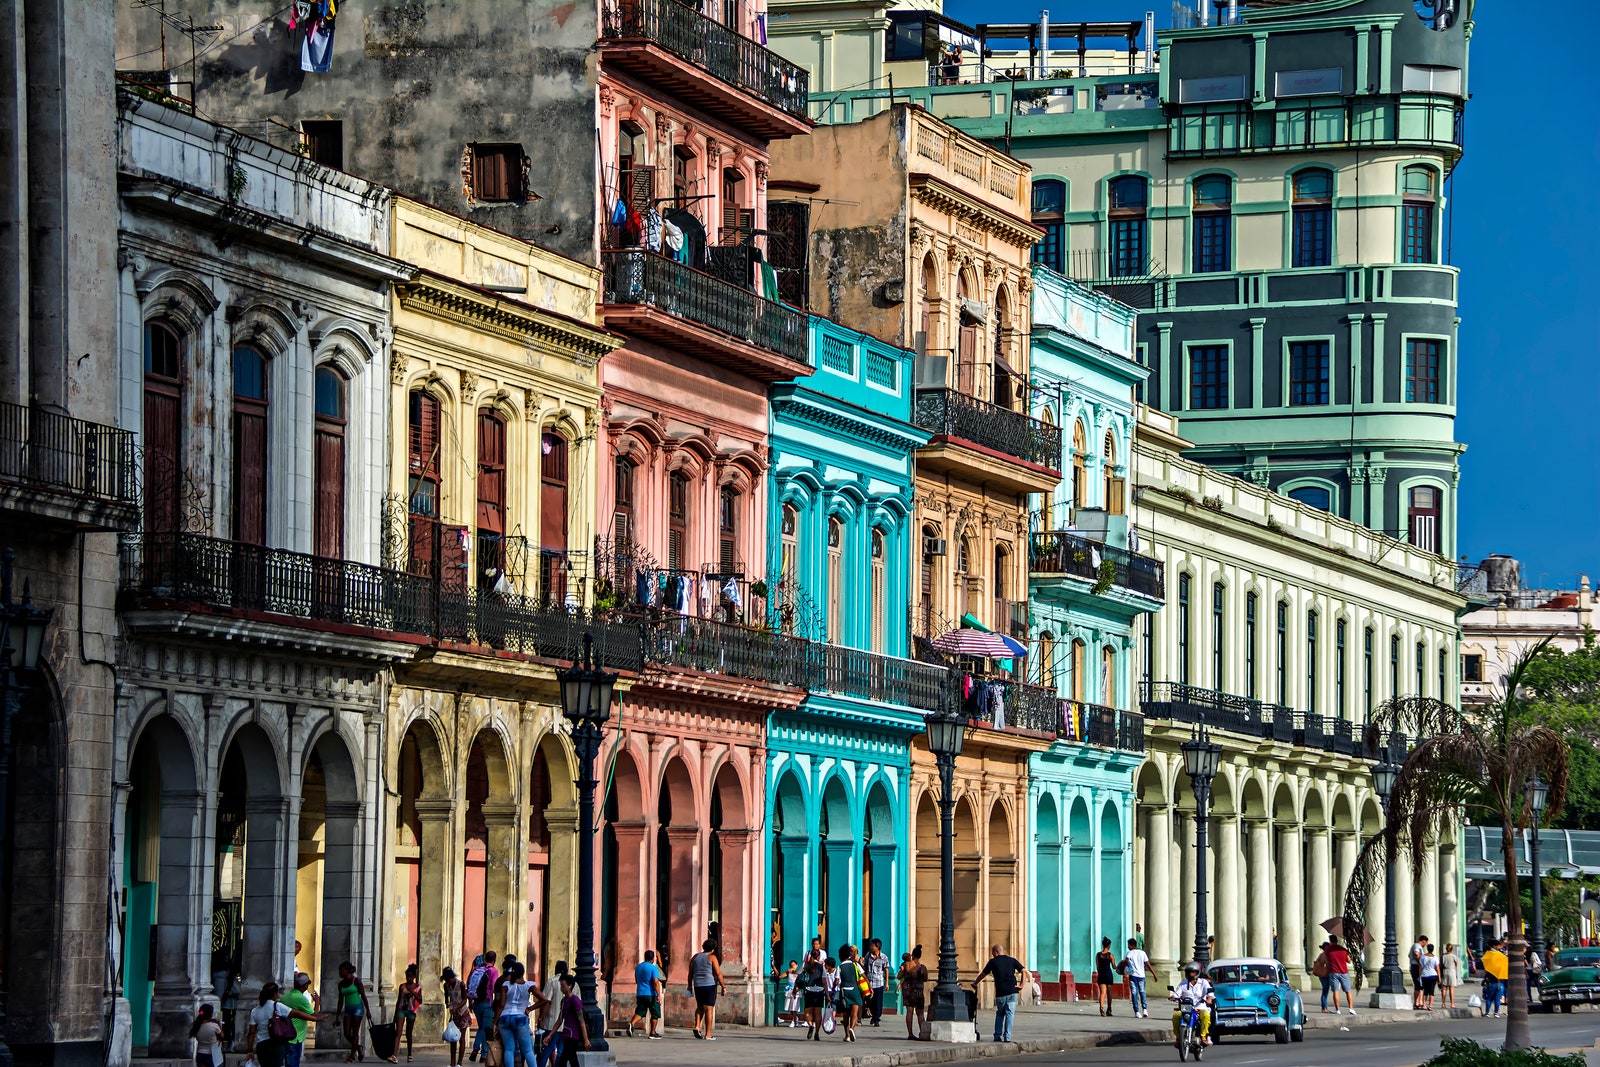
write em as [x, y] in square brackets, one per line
[1564, 687]
[1478, 761]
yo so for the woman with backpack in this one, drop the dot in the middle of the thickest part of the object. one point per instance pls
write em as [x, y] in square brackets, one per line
[851, 998]
[458, 1009]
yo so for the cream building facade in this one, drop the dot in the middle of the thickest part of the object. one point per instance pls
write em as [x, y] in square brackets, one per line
[1507, 619]
[1284, 627]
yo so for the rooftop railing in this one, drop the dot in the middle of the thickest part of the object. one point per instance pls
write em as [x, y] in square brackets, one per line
[635, 276]
[43, 450]
[950, 413]
[728, 56]
[1062, 552]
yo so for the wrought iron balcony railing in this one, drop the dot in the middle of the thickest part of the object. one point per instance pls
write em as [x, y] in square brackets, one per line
[1031, 707]
[949, 413]
[1103, 727]
[1176, 702]
[728, 56]
[722, 648]
[1061, 552]
[43, 450]
[890, 680]
[635, 276]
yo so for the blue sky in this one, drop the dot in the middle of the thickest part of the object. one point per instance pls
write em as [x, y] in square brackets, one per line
[1526, 229]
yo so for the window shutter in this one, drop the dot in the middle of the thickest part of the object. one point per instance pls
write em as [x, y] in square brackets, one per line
[329, 532]
[491, 473]
[250, 474]
[553, 494]
[639, 185]
[161, 460]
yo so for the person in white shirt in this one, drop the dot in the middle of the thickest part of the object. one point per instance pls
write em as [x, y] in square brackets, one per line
[1196, 988]
[1135, 966]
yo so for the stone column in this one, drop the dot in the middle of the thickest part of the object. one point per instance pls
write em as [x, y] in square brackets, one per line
[1428, 903]
[1158, 889]
[434, 871]
[795, 912]
[502, 849]
[1229, 941]
[561, 875]
[1319, 895]
[1345, 850]
[736, 862]
[1183, 825]
[1258, 878]
[684, 934]
[182, 919]
[1291, 901]
[261, 950]
[1452, 928]
[1405, 913]
[885, 878]
[840, 924]
[1375, 919]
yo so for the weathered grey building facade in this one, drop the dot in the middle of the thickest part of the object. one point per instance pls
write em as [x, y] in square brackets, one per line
[254, 356]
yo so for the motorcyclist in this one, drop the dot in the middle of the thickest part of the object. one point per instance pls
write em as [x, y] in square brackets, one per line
[1197, 988]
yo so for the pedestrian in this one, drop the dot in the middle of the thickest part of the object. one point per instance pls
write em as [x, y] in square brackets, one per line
[1007, 974]
[1135, 967]
[550, 1015]
[1430, 977]
[793, 995]
[1275, 944]
[913, 992]
[516, 1033]
[1533, 967]
[850, 1000]
[268, 1048]
[298, 1000]
[408, 1000]
[648, 983]
[1339, 974]
[1104, 978]
[705, 979]
[1496, 967]
[207, 1034]
[817, 952]
[1449, 975]
[481, 988]
[457, 1010]
[574, 1030]
[1138, 935]
[876, 964]
[814, 995]
[353, 1009]
[1319, 970]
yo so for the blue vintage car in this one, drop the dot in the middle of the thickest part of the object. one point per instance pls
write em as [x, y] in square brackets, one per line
[1254, 997]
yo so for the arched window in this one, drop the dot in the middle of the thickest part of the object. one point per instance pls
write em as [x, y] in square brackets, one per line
[789, 542]
[1283, 653]
[1251, 642]
[1108, 676]
[1317, 496]
[1047, 661]
[1078, 666]
[1129, 201]
[1002, 589]
[1080, 467]
[1049, 214]
[163, 426]
[930, 286]
[1313, 218]
[492, 482]
[930, 542]
[1002, 389]
[635, 176]
[1219, 599]
[1183, 628]
[249, 446]
[554, 457]
[1420, 199]
[1423, 517]
[328, 522]
[835, 581]
[1114, 496]
[1341, 663]
[1422, 670]
[622, 505]
[1213, 224]
[880, 595]
[424, 439]
[678, 518]
[964, 580]
[966, 341]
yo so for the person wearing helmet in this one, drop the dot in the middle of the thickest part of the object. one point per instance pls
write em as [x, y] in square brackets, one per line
[1197, 987]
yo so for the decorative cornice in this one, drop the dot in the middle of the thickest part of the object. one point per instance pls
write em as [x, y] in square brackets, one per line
[586, 344]
[956, 204]
[846, 425]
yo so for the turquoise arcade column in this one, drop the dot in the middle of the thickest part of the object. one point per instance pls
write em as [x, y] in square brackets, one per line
[1080, 910]
[1047, 934]
[885, 860]
[793, 907]
[842, 887]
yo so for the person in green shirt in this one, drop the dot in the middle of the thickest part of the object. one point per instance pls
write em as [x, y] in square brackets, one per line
[299, 1000]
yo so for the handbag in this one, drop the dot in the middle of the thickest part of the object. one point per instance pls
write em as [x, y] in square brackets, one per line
[1319, 966]
[861, 980]
[281, 1027]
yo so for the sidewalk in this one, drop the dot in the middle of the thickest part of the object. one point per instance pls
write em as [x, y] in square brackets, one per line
[1046, 1028]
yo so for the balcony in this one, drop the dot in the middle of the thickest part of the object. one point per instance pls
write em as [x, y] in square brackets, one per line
[1176, 702]
[672, 47]
[1102, 727]
[66, 470]
[1428, 120]
[1058, 552]
[651, 296]
[722, 648]
[987, 442]
[1020, 707]
[886, 679]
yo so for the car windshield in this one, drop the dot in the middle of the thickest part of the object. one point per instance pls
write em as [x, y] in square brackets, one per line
[1231, 973]
[1577, 957]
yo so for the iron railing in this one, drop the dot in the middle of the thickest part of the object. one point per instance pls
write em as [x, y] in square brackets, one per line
[1198, 130]
[634, 276]
[1061, 552]
[1103, 727]
[888, 679]
[949, 413]
[43, 450]
[1176, 702]
[1130, 732]
[1031, 707]
[728, 56]
[723, 648]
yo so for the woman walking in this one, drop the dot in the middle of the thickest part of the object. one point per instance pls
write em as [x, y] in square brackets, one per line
[458, 1007]
[1104, 975]
[851, 977]
[207, 1034]
[814, 993]
[267, 1047]
[574, 1030]
[516, 1033]
[352, 1010]
[705, 974]
[1449, 975]
[913, 996]
[405, 1011]
[1430, 977]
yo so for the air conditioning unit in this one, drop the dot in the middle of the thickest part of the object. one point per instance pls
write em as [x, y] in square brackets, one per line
[933, 546]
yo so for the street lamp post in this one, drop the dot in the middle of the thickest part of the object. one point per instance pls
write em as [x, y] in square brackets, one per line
[946, 733]
[1201, 757]
[22, 628]
[1391, 983]
[1538, 796]
[586, 695]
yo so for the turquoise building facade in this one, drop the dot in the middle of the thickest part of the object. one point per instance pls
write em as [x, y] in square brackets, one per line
[839, 546]
[1087, 593]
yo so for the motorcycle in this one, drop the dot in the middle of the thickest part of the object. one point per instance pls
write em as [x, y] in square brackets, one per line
[1189, 1040]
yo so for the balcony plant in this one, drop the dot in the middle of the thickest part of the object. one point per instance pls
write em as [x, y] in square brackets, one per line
[1103, 579]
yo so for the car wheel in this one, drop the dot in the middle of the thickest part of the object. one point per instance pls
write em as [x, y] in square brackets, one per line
[1281, 1035]
[1566, 1009]
[1297, 1034]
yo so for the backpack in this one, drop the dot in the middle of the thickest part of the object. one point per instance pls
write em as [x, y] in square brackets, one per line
[474, 981]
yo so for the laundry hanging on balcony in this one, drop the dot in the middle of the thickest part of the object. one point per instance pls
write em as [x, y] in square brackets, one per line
[973, 312]
[317, 18]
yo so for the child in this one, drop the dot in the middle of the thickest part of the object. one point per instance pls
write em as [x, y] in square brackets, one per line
[792, 995]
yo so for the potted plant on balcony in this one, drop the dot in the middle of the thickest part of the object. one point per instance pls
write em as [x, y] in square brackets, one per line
[1102, 581]
[605, 597]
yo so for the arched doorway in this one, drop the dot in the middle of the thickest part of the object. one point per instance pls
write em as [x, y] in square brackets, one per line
[248, 897]
[677, 872]
[490, 840]
[327, 907]
[422, 821]
[880, 868]
[1080, 883]
[969, 876]
[552, 842]
[836, 876]
[728, 866]
[1002, 879]
[791, 843]
[1046, 953]
[624, 913]
[1112, 908]
[160, 879]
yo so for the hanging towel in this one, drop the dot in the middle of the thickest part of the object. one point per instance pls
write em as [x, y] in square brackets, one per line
[730, 592]
[652, 230]
[644, 589]
[316, 51]
[769, 282]
[619, 214]
[672, 237]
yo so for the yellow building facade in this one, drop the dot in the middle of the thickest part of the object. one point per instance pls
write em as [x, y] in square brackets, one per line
[495, 400]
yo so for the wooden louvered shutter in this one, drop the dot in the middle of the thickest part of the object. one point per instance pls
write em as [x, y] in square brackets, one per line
[329, 533]
[639, 184]
[161, 460]
[788, 237]
[967, 358]
[491, 473]
[553, 493]
[250, 472]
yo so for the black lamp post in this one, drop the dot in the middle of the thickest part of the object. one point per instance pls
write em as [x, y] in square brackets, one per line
[586, 701]
[22, 628]
[1538, 796]
[1390, 978]
[946, 732]
[1201, 758]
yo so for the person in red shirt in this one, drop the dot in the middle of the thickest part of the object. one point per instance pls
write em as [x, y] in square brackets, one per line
[1339, 974]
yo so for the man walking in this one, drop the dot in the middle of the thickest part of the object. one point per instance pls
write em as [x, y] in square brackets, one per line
[876, 965]
[648, 989]
[1007, 974]
[298, 1000]
[480, 988]
[1418, 950]
[1339, 974]
[1135, 967]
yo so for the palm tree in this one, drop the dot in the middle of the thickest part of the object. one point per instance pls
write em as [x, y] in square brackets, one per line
[1478, 760]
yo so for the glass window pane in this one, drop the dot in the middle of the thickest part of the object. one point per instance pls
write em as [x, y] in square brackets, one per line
[330, 393]
[249, 374]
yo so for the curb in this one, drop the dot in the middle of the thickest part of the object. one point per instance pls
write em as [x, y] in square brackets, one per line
[986, 1050]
